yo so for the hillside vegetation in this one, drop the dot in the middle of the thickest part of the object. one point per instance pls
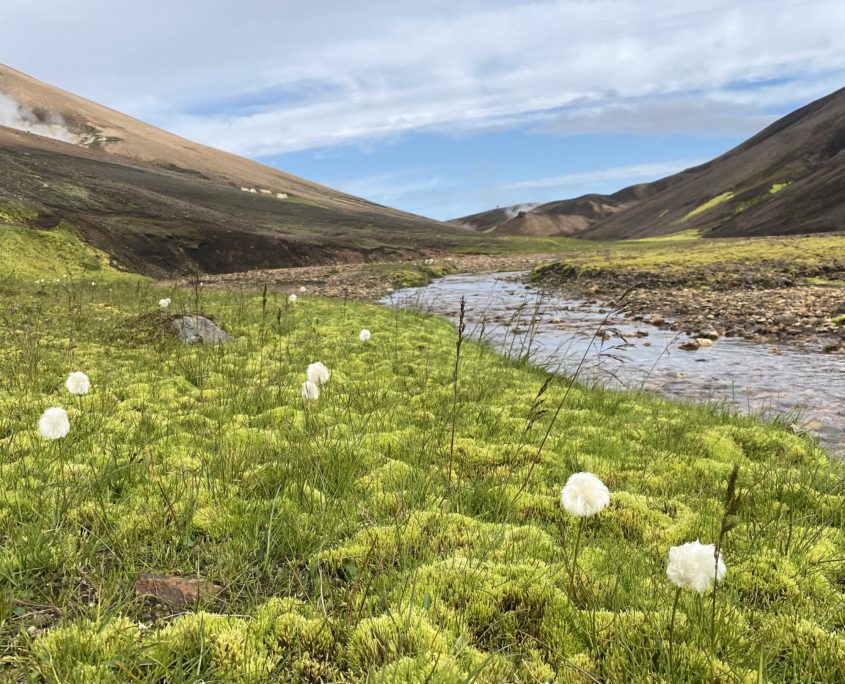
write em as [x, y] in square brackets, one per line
[404, 527]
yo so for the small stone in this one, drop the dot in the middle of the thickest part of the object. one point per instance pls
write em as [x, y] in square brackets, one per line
[692, 345]
[704, 342]
[176, 590]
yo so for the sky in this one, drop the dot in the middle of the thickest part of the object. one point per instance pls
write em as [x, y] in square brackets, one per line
[444, 108]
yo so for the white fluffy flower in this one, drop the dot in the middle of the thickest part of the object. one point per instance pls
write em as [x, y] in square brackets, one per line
[317, 373]
[164, 303]
[695, 566]
[292, 298]
[365, 335]
[310, 391]
[302, 289]
[584, 495]
[54, 423]
[78, 383]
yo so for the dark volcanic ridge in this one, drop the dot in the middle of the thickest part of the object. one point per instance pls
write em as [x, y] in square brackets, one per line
[787, 179]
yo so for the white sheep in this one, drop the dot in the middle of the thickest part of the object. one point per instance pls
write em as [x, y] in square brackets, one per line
[281, 195]
[265, 192]
[253, 190]
[245, 189]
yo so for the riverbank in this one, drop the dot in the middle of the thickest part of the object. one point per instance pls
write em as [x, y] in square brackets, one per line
[571, 336]
[767, 290]
[367, 282]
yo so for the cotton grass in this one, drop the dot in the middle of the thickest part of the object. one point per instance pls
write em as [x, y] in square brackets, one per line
[365, 335]
[164, 303]
[695, 566]
[78, 383]
[54, 423]
[310, 391]
[292, 299]
[584, 495]
[318, 373]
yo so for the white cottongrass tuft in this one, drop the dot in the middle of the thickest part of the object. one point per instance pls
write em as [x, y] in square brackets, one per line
[164, 303]
[584, 495]
[54, 423]
[78, 383]
[302, 289]
[365, 335]
[310, 391]
[318, 373]
[695, 566]
[292, 298]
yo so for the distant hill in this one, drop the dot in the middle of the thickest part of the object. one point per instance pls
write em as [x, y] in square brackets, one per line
[787, 179]
[161, 204]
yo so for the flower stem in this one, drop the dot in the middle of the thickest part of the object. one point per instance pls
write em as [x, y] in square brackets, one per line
[672, 635]
[574, 566]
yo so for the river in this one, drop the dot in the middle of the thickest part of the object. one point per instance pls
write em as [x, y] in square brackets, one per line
[806, 388]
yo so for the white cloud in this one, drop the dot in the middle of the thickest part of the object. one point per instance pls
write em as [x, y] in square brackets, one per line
[330, 73]
[631, 172]
[696, 114]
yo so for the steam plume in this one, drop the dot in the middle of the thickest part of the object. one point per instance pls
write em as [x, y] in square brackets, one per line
[50, 124]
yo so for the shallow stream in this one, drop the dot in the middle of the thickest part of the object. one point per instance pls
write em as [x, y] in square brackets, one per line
[806, 388]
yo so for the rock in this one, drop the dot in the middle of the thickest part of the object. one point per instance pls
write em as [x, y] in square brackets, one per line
[176, 591]
[708, 334]
[657, 320]
[196, 329]
[704, 342]
[640, 333]
[692, 345]
[831, 347]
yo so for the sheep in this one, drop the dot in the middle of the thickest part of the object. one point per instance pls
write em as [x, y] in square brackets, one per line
[265, 192]
[245, 189]
[281, 195]
[253, 190]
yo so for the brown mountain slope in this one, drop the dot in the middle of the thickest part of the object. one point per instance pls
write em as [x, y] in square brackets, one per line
[161, 204]
[787, 179]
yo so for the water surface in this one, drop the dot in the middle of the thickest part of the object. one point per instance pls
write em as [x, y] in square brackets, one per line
[806, 388]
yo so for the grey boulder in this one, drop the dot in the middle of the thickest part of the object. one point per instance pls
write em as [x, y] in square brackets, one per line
[199, 330]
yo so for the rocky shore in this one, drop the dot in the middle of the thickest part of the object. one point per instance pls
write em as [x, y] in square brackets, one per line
[771, 303]
[363, 281]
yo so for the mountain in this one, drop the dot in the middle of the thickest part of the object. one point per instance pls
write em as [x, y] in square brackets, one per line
[562, 217]
[787, 179]
[161, 204]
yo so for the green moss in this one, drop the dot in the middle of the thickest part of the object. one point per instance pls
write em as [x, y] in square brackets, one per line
[354, 539]
[709, 204]
[33, 254]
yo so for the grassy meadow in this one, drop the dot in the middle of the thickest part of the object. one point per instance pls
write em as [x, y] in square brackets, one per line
[685, 255]
[404, 527]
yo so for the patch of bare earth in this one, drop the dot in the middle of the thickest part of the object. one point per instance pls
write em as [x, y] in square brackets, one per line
[365, 282]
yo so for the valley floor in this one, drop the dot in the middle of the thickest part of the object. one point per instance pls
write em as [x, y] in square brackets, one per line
[406, 526]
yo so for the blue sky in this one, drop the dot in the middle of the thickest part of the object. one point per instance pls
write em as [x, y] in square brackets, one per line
[445, 108]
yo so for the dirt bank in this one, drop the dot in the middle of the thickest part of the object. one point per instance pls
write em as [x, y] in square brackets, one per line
[366, 282]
